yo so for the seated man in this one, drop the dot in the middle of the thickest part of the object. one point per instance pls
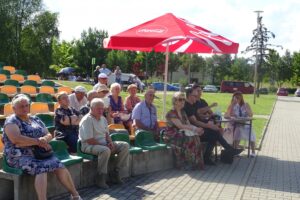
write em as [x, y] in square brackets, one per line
[93, 131]
[144, 114]
[211, 131]
[78, 99]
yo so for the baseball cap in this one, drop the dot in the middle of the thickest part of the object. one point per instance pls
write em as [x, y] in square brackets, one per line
[80, 89]
[102, 75]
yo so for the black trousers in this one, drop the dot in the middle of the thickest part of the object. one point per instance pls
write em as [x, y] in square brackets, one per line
[211, 137]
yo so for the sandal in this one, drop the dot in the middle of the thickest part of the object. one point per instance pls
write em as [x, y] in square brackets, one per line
[75, 198]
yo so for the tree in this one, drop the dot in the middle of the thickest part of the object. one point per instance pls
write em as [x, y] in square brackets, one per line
[296, 68]
[90, 46]
[37, 39]
[241, 70]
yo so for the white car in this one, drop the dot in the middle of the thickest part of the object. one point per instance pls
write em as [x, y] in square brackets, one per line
[126, 80]
[210, 88]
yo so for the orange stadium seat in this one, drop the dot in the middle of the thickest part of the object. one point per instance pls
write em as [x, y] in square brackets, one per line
[10, 68]
[28, 89]
[36, 78]
[10, 90]
[65, 89]
[47, 89]
[17, 77]
[39, 107]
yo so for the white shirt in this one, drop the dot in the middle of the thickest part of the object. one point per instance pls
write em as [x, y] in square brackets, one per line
[75, 103]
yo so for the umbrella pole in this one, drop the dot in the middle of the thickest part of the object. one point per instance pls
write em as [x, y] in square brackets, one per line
[166, 81]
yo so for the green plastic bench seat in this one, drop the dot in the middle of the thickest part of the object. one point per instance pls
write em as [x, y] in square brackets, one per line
[84, 155]
[145, 140]
[60, 151]
[9, 169]
[125, 138]
[48, 120]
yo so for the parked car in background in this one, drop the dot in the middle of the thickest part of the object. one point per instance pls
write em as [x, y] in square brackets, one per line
[127, 79]
[159, 86]
[210, 88]
[282, 92]
[297, 92]
[263, 91]
[232, 86]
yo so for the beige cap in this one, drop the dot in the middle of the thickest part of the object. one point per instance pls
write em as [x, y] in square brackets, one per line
[102, 88]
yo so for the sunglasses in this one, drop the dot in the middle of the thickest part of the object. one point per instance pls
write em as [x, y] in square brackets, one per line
[181, 99]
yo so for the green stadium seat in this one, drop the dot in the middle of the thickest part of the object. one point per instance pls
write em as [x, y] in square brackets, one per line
[12, 82]
[84, 155]
[48, 83]
[145, 140]
[44, 97]
[125, 138]
[60, 151]
[9, 169]
[4, 99]
[21, 72]
[6, 72]
[48, 120]
[30, 82]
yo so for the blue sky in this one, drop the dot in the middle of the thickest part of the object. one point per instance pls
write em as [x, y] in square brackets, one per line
[233, 19]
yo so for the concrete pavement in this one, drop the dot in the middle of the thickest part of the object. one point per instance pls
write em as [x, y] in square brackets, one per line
[273, 174]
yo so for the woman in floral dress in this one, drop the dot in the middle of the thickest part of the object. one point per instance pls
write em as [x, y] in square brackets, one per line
[187, 149]
[21, 132]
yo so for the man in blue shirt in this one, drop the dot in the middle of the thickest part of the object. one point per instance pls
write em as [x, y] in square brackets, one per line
[144, 114]
[105, 70]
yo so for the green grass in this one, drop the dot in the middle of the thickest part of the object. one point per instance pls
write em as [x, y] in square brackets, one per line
[263, 106]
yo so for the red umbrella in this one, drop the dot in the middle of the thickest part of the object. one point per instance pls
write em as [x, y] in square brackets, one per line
[169, 33]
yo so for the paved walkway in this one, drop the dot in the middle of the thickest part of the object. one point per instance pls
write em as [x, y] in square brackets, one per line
[274, 174]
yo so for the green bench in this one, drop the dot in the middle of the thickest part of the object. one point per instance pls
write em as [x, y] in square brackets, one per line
[60, 151]
[84, 155]
[125, 138]
[145, 140]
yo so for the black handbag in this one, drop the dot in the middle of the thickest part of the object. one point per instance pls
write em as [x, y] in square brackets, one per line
[226, 157]
[41, 153]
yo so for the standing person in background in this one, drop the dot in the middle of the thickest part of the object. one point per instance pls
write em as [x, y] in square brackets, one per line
[96, 74]
[105, 70]
[118, 74]
[239, 108]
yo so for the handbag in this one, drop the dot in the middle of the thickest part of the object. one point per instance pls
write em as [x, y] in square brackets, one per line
[187, 132]
[41, 153]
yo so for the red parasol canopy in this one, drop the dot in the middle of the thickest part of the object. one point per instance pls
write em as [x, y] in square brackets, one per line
[169, 33]
[180, 34]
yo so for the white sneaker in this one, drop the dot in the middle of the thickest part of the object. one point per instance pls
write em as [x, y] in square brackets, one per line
[252, 155]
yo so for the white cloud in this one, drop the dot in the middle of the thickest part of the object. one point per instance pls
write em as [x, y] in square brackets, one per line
[233, 19]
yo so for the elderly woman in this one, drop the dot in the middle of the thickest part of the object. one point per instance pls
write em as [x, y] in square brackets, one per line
[239, 108]
[183, 137]
[66, 122]
[21, 133]
[131, 100]
[118, 113]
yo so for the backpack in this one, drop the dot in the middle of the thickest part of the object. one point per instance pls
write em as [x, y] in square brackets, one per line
[226, 157]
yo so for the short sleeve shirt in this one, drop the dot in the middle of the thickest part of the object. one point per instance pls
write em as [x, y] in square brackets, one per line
[146, 115]
[75, 103]
[90, 127]
[201, 103]
[190, 109]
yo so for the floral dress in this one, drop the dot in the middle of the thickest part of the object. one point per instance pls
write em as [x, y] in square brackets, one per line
[187, 149]
[22, 157]
[241, 131]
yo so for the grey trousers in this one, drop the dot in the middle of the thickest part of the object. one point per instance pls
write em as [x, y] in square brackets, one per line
[104, 153]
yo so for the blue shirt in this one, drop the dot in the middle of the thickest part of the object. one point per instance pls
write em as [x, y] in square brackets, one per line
[105, 71]
[146, 115]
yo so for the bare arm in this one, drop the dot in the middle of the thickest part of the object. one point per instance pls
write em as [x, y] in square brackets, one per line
[190, 127]
[14, 135]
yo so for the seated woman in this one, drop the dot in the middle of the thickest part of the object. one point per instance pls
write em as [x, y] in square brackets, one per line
[66, 122]
[183, 137]
[239, 108]
[102, 94]
[118, 114]
[131, 100]
[21, 132]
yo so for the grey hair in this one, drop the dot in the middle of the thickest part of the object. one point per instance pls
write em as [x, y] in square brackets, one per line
[176, 96]
[114, 85]
[96, 101]
[18, 98]
[91, 93]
